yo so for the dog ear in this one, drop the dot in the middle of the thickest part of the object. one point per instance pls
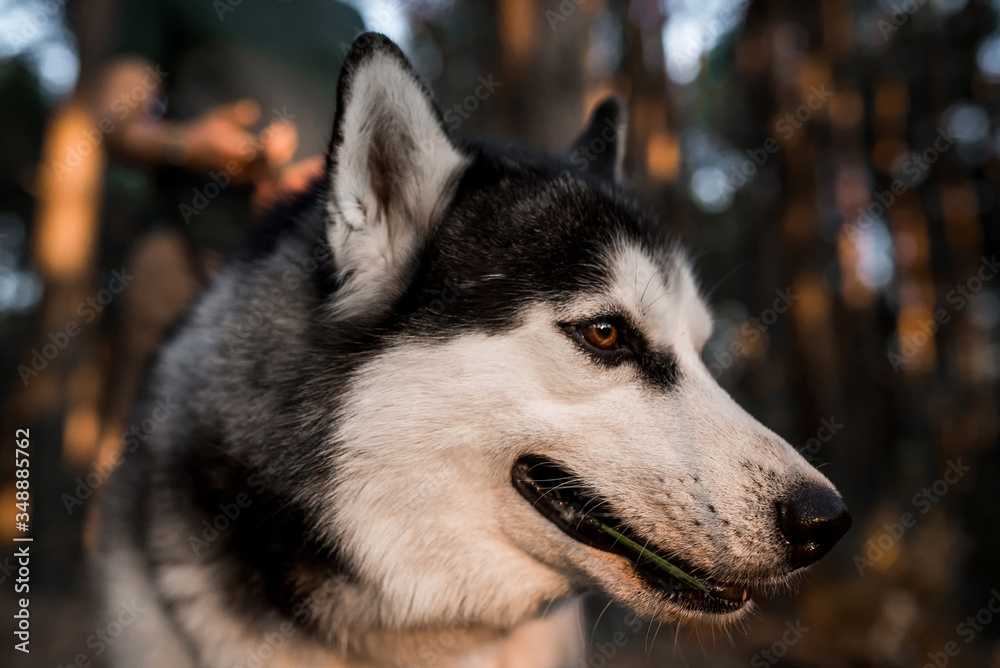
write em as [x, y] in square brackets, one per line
[392, 169]
[600, 148]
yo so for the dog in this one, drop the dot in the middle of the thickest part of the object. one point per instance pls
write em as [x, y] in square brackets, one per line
[445, 392]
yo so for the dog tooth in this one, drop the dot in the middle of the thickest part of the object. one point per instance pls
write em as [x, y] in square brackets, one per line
[744, 594]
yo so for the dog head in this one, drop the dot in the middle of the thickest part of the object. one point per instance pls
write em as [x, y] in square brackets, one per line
[537, 418]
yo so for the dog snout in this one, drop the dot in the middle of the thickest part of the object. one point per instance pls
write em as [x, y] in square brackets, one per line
[812, 520]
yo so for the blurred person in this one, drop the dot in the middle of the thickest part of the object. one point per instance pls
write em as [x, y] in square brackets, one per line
[197, 90]
[210, 111]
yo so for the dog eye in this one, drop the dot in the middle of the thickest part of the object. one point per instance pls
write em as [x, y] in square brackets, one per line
[603, 335]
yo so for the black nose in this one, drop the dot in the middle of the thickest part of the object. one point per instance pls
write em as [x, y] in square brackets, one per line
[812, 521]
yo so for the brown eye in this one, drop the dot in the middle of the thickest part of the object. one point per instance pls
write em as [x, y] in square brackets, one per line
[602, 335]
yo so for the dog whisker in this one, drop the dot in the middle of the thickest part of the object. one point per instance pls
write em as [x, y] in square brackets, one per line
[593, 633]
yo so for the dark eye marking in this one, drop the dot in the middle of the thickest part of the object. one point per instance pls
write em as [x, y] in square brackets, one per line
[613, 340]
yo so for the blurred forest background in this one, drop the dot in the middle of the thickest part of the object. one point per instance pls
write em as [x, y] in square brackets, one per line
[842, 157]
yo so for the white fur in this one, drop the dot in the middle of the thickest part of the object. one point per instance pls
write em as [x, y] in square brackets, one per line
[424, 503]
[390, 132]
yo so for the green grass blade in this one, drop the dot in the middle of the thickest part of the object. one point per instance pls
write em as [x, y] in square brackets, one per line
[655, 558]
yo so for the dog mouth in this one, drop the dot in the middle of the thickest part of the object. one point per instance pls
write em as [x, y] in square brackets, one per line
[557, 494]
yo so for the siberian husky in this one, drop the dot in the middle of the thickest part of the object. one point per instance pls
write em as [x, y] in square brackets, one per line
[447, 391]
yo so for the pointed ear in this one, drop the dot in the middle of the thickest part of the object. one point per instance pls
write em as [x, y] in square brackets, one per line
[600, 148]
[392, 169]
